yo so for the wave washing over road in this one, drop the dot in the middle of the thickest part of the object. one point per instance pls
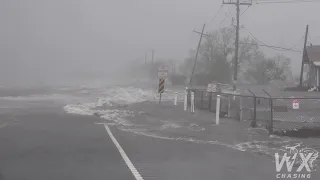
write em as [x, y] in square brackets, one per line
[115, 104]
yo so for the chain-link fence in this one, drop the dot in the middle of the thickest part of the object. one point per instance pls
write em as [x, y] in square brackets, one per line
[279, 115]
[208, 100]
[294, 115]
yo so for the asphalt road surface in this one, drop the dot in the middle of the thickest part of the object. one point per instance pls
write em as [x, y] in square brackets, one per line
[52, 146]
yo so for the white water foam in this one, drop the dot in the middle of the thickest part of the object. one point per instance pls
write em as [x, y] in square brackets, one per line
[153, 135]
[37, 97]
[104, 105]
[127, 95]
[195, 127]
[120, 96]
[167, 124]
[262, 147]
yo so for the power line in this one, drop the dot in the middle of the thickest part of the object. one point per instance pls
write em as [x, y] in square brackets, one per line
[291, 48]
[283, 2]
[257, 38]
[245, 10]
[277, 48]
[230, 12]
[274, 47]
[217, 13]
[264, 45]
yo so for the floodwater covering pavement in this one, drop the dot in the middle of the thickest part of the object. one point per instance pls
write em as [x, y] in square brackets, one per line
[161, 141]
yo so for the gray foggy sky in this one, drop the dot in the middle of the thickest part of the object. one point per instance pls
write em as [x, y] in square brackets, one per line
[53, 37]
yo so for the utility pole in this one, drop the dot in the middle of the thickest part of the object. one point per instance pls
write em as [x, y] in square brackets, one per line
[195, 60]
[145, 58]
[235, 73]
[235, 62]
[303, 55]
[152, 51]
[146, 54]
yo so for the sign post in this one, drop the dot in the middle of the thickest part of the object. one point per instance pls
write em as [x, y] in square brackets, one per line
[185, 100]
[162, 75]
[175, 98]
[218, 110]
[192, 101]
[161, 87]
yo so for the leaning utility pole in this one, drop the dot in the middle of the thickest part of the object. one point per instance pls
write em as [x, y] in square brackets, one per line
[152, 51]
[195, 60]
[235, 62]
[303, 55]
[145, 58]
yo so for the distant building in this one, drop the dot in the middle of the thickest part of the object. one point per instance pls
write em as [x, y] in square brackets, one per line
[312, 58]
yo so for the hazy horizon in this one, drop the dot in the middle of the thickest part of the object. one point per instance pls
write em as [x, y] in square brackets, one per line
[45, 40]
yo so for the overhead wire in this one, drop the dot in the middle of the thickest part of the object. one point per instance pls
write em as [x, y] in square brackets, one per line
[283, 2]
[245, 10]
[227, 15]
[274, 47]
[216, 13]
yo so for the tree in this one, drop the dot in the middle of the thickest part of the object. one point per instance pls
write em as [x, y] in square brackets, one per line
[216, 55]
[263, 70]
[186, 67]
[248, 51]
[215, 60]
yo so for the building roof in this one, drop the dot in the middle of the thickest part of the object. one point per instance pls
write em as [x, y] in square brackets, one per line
[313, 53]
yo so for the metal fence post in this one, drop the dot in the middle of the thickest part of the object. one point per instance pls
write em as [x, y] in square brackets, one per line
[210, 101]
[229, 106]
[271, 113]
[201, 99]
[271, 118]
[254, 120]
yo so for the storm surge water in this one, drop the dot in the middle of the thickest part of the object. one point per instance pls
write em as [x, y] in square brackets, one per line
[108, 104]
[133, 108]
[112, 105]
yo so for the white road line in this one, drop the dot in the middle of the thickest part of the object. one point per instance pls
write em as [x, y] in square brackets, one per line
[133, 170]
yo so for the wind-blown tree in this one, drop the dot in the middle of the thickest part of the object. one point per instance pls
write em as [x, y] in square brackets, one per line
[216, 56]
[248, 51]
[185, 68]
[215, 61]
[264, 70]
